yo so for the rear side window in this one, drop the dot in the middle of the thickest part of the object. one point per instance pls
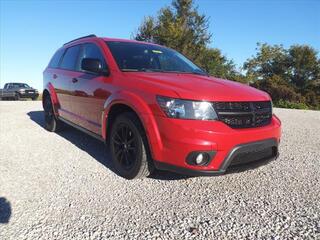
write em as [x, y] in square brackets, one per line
[70, 58]
[90, 50]
[54, 62]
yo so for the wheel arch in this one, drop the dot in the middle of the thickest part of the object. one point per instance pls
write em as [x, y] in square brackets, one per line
[49, 91]
[126, 101]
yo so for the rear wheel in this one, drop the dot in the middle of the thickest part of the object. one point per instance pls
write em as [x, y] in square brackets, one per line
[52, 124]
[129, 147]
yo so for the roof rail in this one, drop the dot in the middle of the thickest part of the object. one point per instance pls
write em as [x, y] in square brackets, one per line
[88, 36]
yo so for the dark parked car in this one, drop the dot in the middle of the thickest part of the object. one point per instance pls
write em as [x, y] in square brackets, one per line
[17, 91]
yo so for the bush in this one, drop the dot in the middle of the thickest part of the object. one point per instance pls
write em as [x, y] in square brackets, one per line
[287, 104]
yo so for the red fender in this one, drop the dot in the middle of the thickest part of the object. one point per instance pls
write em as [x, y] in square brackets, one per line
[144, 113]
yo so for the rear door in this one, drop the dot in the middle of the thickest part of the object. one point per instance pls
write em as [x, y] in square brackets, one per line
[90, 91]
[63, 77]
[52, 75]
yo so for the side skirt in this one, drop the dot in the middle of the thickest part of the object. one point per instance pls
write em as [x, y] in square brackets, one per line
[92, 134]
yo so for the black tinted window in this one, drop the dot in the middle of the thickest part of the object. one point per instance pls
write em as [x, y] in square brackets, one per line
[70, 58]
[54, 62]
[132, 56]
[91, 50]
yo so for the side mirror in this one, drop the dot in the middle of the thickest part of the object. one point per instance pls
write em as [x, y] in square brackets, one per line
[93, 65]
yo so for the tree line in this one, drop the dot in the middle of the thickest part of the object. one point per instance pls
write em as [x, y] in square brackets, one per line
[290, 75]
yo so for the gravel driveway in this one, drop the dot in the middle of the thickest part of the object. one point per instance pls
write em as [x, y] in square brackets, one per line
[61, 186]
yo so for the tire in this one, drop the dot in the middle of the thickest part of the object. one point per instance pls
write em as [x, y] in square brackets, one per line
[17, 97]
[52, 124]
[34, 98]
[129, 147]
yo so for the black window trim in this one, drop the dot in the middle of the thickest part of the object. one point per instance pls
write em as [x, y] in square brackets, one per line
[78, 58]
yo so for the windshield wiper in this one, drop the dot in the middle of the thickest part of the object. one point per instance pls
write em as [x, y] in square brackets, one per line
[197, 73]
[150, 70]
[129, 70]
[140, 70]
[201, 73]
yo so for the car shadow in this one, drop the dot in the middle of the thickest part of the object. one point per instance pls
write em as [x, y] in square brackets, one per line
[96, 148]
[5, 210]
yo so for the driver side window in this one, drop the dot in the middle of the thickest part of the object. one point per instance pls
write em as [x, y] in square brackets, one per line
[90, 50]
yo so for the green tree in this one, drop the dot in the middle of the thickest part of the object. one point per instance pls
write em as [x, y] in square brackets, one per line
[304, 67]
[279, 89]
[268, 62]
[290, 75]
[214, 62]
[182, 28]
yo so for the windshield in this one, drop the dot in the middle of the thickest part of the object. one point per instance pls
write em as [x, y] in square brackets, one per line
[150, 58]
[20, 85]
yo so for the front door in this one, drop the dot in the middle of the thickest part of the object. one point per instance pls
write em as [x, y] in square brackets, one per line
[90, 91]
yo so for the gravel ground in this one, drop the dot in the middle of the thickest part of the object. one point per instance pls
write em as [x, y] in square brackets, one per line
[61, 186]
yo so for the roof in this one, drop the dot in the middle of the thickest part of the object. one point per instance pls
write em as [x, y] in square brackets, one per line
[107, 39]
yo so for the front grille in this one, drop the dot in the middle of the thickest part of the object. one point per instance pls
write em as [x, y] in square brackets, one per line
[244, 114]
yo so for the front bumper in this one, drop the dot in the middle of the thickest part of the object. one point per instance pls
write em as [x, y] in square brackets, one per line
[265, 150]
[180, 137]
[29, 95]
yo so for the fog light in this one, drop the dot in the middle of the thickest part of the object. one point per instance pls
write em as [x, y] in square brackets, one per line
[199, 159]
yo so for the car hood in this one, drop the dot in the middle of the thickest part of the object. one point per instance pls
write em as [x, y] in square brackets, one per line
[198, 87]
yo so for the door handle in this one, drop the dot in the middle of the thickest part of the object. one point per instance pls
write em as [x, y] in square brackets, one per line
[74, 80]
[54, 76]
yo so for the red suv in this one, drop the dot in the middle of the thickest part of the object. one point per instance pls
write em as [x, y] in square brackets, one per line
[157, 109]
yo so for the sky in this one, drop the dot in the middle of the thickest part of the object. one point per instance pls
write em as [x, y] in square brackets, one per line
[31, 31]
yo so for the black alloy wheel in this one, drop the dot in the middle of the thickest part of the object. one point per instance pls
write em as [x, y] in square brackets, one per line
[52, 124]
[129, 147]
[125, 145]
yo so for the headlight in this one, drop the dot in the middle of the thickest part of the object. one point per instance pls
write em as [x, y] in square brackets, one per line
[186, 109]
[22, 90]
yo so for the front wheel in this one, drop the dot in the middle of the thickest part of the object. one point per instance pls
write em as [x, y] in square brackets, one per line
[129, 147]
[52, 124]
[17, 97]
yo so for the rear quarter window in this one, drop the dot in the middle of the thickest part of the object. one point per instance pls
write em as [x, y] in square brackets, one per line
[54, 62]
